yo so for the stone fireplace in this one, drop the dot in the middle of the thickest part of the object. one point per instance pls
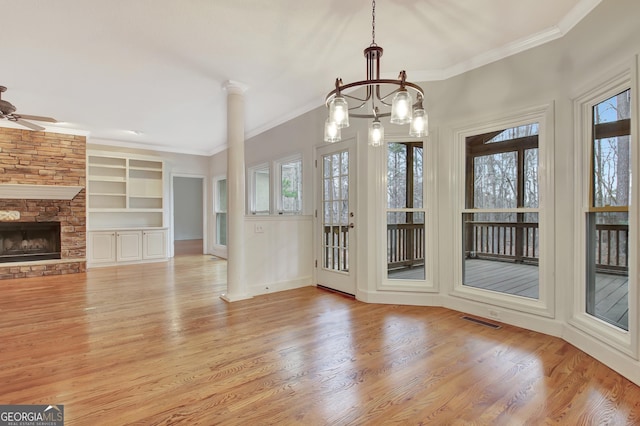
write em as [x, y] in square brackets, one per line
[36, 169]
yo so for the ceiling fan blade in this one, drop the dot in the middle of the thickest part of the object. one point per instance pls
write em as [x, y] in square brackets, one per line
[29, 125]
[38, 118]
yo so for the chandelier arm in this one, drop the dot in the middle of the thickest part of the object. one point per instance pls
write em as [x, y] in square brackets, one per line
[365, 83]
[356, 98]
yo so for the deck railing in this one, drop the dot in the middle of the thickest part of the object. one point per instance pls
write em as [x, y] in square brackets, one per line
[507, 241]
[612, 248]
[519, 242]
[405, 245]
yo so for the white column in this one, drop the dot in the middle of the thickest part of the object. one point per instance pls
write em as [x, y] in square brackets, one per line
[236, 283]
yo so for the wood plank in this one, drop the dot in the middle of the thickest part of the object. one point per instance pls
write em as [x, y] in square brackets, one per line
[187, 247]
[154, 344]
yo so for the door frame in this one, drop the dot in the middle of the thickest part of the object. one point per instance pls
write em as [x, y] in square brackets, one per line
[352, 145]
[172, 211]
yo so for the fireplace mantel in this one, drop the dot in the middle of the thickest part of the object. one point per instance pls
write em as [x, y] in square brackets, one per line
[11, 191]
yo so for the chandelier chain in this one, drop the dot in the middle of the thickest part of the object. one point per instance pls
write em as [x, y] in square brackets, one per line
[373, 23]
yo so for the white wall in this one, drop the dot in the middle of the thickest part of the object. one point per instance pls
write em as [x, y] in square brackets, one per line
[278, 253]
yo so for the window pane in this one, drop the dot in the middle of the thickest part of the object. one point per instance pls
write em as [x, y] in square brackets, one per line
[404, 175]
[222, 195]
[615, 108]
[221, 215]
[405, 245]
[611, 152]
[291, 187]
[608, 267]
[515, 132]
[501, 252]
[261, 191]
[611, 172]
[495, 181]
[531, 195]
[221, 229]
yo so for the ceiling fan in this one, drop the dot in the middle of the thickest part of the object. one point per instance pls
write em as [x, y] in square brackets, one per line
[7, 110]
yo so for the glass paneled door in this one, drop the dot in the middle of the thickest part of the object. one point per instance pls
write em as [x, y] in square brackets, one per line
[336, 217]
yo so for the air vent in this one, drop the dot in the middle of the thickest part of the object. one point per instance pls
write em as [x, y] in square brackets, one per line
[481, 322]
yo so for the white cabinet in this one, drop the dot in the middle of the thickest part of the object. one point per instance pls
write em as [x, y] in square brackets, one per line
[154, 244]
[124, 246]
[101, 247]
[129, 246]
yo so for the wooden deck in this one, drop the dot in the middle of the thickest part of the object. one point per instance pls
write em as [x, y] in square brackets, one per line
[522, 280]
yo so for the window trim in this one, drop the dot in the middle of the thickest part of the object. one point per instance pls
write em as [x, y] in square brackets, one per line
[544, 306]
[624, 341]
[428, 284]
[252, 188]
[277, 178]
[218, 248]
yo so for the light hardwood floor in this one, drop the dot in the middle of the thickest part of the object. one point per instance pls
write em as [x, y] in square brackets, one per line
[187, 247]
[154, 344]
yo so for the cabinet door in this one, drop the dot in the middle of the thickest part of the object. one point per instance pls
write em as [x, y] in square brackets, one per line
[129, 245]
[102, 247]
[154, 244]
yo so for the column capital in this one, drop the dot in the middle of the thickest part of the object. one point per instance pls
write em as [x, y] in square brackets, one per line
[234, 87]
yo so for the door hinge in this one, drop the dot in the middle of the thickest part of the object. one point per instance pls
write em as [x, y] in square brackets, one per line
[316, 163]
[316, 263]
[316, 214]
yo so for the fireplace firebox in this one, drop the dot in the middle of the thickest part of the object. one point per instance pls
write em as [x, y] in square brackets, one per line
[29, 241]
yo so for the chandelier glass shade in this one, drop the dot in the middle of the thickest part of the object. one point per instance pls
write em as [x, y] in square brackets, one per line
[377, 98]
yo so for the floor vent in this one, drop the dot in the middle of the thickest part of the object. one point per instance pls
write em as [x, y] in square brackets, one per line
[481, 322]
[342, 293]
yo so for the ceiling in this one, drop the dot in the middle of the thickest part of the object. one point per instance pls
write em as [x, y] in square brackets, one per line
[149, 73]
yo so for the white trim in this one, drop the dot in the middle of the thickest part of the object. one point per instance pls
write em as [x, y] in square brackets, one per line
[277, 184]
[171, 241]
[216, 249]
[544, 306]
[251, 189]
[149, 147]
[620, 78]
[429, 209]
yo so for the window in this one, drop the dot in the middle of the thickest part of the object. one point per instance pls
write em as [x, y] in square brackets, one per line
[607, 218]
[259, 189]
[286, 198]
[289, 178]
[220, 208]
[405, 211]
[500, 222]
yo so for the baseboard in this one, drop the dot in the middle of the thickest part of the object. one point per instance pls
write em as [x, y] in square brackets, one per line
[265, 288]
[612, 358]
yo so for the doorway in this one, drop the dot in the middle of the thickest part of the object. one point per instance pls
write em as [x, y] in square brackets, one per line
[336, 216]
[188, 215]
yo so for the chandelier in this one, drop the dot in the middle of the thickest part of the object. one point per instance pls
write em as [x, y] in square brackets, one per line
[375, 102]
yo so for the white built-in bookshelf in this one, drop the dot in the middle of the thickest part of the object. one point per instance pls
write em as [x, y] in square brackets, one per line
[125, 209]
[124, 192]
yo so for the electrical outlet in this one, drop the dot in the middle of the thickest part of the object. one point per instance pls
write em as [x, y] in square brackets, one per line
[258, 229]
